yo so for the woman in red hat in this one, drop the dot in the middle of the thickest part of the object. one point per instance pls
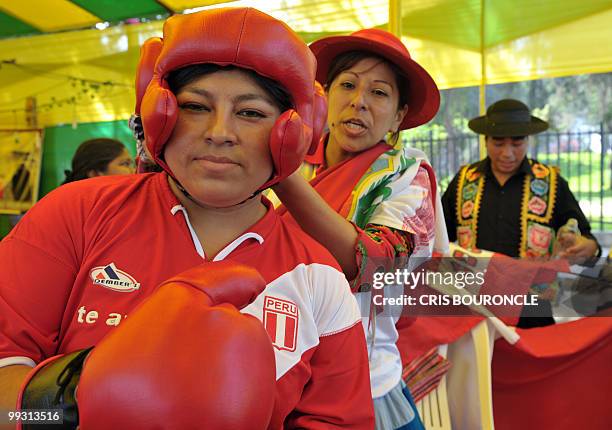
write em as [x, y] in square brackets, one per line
[379, 204]
[229, 110]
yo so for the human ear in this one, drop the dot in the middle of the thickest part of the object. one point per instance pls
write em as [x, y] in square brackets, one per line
[399, 117]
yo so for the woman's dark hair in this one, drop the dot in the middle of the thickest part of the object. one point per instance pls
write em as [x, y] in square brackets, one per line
[177, 79]
[348, 59]
[94, 154]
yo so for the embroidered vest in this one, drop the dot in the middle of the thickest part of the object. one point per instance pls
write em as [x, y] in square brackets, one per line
[538, 201]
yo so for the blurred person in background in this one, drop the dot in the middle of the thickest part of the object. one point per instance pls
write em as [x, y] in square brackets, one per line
[99, 157]
[94, 157]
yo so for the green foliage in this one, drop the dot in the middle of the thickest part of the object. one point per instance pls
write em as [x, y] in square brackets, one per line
[569, 103]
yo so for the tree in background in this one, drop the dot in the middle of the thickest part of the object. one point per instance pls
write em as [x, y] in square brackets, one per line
[571, 102]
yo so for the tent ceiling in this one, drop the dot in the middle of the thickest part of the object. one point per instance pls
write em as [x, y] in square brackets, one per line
[524, 39]
[457, 22]
[26, 17]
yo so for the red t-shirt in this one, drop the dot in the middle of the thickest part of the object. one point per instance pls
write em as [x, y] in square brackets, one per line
[83, 257]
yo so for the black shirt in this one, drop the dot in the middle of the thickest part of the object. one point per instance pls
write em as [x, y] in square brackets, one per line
[499, 218]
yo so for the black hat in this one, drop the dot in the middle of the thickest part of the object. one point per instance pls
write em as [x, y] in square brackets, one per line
[507, 117]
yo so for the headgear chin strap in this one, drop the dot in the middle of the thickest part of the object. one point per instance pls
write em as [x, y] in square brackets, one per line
[193, 199]
[246, 38]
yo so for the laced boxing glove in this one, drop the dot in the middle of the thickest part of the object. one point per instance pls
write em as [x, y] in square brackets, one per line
[185, 358]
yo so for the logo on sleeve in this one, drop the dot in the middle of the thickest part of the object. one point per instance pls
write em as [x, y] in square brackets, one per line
[114, 279]
[281, 322]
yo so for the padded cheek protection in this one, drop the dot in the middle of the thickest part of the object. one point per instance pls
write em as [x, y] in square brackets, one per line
[144, 72]
[159, 112]
[288, 145]
[291, 138]
[149, 52]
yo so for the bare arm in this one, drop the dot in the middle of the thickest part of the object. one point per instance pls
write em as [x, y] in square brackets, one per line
[320, 221]
[11, 378]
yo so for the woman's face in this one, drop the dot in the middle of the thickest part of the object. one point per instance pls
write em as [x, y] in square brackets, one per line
[122, 165]
[218, 149]
[363, 105]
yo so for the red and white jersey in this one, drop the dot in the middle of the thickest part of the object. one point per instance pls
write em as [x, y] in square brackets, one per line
[89, 252]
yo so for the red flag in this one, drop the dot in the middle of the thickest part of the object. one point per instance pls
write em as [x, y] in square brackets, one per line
[555, 377]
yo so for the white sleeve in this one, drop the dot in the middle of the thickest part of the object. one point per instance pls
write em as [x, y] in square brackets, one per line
[10, 361]
[335, 308]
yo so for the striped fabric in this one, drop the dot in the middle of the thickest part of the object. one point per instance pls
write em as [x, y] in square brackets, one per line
[424, 373]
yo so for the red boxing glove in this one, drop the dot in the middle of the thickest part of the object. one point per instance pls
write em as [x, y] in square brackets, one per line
[185, 358]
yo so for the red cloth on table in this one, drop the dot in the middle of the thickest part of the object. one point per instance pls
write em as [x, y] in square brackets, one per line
[555, 377]
[418, 335]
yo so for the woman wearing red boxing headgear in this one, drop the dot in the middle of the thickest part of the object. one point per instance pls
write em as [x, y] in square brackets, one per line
[229, 109]
[379, 200]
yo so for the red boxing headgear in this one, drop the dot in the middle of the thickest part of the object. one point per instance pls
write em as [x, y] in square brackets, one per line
[246, 38]
[149, 52]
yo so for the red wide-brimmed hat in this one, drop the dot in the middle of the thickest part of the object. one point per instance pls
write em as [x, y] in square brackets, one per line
[423, 93]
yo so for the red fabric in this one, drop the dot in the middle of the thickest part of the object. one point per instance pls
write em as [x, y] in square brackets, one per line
[323, 408]
[336, 184]
[555, 377]
[427, 332]
[419, 335]
[501, 279]
[424, 374]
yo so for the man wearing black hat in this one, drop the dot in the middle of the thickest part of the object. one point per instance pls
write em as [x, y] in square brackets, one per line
[509, 203]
